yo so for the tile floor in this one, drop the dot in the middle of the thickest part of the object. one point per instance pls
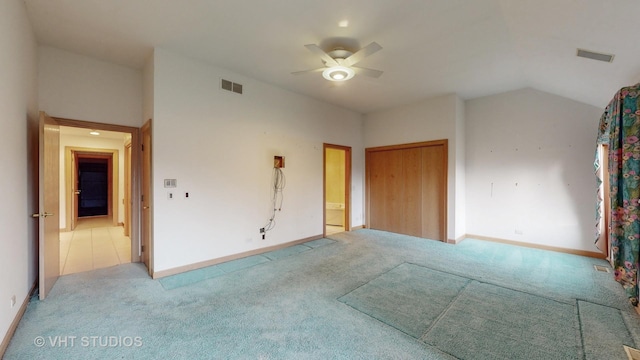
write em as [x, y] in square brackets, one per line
[332, 229]
[94, 244]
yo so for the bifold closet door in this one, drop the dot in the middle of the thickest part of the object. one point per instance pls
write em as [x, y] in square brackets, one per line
[406, 189]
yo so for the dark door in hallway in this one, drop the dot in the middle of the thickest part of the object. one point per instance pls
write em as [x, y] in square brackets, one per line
[93, 184]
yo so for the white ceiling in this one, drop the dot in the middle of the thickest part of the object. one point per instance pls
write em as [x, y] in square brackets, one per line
[430, 47]
[74, 131]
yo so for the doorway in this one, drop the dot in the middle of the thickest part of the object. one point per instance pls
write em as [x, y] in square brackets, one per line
[337, 188]
[50, 201]
[93, 187]
[93, 180]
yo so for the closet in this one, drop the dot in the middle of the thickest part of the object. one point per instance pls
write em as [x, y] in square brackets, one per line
[406, 188]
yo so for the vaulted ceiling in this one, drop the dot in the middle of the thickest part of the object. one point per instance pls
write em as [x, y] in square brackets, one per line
[430, 47]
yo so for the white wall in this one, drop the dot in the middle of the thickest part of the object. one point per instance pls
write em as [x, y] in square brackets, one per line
[18, 113]
[220, 147]
[147, 89]
[536, 151]
[79, 87]
[460, 187]
[432, 119]
[93, 143]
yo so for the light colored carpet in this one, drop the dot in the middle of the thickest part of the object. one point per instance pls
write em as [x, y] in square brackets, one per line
[288, 307]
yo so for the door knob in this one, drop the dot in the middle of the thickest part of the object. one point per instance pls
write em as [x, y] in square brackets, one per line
[77, 192]
[145, 207]
[46, 214]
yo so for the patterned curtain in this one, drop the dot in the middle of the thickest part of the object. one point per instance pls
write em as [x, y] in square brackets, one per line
[620, 128]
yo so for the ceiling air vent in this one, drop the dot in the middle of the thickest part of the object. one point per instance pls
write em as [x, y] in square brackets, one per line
[231, 86]
[595, 55]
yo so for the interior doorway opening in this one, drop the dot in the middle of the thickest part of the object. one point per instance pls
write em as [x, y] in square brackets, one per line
[337, 189]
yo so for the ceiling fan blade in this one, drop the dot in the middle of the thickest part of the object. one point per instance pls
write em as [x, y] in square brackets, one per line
[367, 72]
[323, 55]
[308, 71]
[362, 53]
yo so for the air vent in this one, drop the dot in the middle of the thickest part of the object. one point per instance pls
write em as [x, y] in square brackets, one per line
[231, 86]
[601, 268]
[595, 55]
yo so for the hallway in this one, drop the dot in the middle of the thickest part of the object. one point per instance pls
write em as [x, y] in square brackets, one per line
[94, 244]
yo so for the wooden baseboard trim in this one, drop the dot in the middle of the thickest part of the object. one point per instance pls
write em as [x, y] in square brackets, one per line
[457, 240]
[202, 264]
[357, 228]
[16, 320]
[592, 254]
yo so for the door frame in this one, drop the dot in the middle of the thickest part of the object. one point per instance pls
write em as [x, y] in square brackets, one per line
[146, 196]
[347, 185]
[72, 155]
[135, 172]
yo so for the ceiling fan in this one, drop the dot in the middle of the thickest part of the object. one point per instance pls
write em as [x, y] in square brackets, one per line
[339, 64]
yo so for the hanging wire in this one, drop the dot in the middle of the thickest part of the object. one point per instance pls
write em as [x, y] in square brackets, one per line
[279, 181]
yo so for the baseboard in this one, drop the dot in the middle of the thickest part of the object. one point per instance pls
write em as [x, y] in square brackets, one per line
[357, 228]
[592, 254]
[202, 264]
[457, 240]
[16, 321]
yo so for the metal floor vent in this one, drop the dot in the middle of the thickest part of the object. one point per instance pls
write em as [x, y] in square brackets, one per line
[601, 268]
[231, 86]
[633, 354]
[595, 55]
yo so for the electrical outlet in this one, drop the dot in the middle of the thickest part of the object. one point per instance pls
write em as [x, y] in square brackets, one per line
[170, 195]
[261, 230]
[13, 301]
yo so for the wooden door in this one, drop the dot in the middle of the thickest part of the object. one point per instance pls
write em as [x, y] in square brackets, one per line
[146, 199]
[434, 192]
[75, 191]
[406, 189]
[48, 207]
[127, 188]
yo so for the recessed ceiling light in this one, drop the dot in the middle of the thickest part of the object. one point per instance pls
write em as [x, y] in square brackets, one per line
[338, 73]
[94, 133]
[343, 23]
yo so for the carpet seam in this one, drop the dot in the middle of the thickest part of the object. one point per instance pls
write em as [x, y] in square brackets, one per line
[444, 312]
[569, 302]
[584, 350]
[365, 283]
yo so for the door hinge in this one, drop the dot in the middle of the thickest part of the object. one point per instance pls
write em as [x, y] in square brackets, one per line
[142, 248]
[142, 145]
[141, 197]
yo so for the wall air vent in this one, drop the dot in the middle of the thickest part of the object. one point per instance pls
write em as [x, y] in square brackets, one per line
[231, 86]
[595, 55]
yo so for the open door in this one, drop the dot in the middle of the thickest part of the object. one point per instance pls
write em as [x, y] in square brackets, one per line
[49, 207]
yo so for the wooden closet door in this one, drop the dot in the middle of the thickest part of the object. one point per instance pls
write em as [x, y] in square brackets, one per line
[407, 190]
[412, 198]
[376, 189]
[434, 194]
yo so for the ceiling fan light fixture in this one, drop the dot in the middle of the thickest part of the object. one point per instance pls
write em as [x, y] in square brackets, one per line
[338, 73]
